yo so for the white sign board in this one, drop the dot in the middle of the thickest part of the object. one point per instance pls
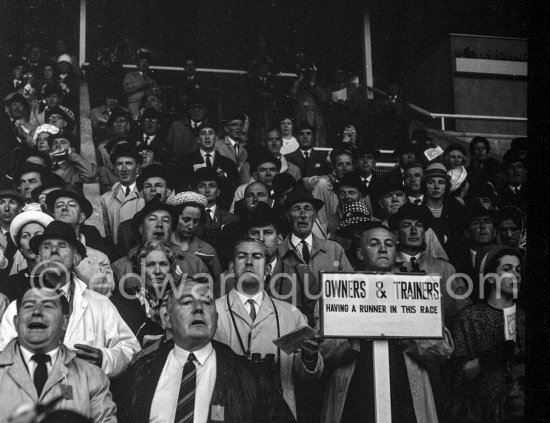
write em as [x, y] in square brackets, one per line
[370, 305]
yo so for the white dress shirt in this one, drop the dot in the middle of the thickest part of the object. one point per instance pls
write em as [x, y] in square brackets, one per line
[297, 243]
[256, 298]
[31, 364]
[165, 400]
[212, 212]
[212, 155]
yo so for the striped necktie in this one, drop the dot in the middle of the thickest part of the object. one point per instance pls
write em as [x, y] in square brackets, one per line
[186, 398]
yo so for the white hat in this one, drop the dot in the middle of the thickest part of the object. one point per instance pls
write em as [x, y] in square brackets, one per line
[458, 176]
[65, 58]
[45, 127]
[188, 197]
[25, 217]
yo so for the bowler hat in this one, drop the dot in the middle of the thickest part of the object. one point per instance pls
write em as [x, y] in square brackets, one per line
[70, 191]
[263, 215]
[412, 212]
[150, 113]
[305, 125]
[263, 156]
[302, 195]
[58, 230]
[388, 184]
[16, 97]
[283, 182]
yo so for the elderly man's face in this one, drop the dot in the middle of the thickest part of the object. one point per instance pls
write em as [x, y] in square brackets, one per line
[68, 210]
[57, 120]
[126, 169]
[207, 139]
[9, 208]
[29, 231]
[254, 194]
[412, 180]
[302, 216]
[191, 316]
[274, 142]
[156, 226]
[516, 173]
[155, 187]
[40, 322]
[378, 248]
[249, 263]
[28, 182]
[60, 252]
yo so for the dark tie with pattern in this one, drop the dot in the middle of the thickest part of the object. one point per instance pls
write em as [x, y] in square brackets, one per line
[41, 372]
[305, 251]
[127, 191]
[186, 398]
[252, 309]
[208, 160]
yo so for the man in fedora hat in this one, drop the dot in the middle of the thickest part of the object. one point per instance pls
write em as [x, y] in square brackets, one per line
[95, 329]
[69, 205]
[302, 252]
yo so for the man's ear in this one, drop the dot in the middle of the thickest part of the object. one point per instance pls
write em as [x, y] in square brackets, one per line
[140, 229]
[231, 267]
[77, 258]
[82, 218]
[15, 320]
[279, 238]
[359, 254]
[65, 324]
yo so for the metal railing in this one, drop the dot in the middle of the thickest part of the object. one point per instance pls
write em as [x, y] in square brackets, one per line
[443, 116]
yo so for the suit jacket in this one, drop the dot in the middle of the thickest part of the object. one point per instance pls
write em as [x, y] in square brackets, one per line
[224, 147]
[317, 164]
[246, 393]
[506, 197]
[90, 393]
[181, 138]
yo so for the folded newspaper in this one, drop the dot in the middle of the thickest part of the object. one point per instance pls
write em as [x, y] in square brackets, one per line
[291, 342]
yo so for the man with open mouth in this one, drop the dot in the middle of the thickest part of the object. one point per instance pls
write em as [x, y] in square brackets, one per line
[37, 367]
[95, 329]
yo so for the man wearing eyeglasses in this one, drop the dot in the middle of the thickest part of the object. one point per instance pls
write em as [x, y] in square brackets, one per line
[310, 161]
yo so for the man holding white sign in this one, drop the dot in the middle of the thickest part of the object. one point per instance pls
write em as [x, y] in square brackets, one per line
[353, 359]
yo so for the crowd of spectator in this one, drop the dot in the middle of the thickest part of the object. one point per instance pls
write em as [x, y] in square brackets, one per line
[215, 233]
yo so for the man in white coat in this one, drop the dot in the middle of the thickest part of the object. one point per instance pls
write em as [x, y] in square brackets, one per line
[95, 330]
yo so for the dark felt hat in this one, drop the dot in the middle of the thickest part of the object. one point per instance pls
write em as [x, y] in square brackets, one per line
[206, 174]
[70, 191]
[16, 97]
[125, 150]
[352, 179]
[32, 167]
[116, 113]
[152, 171]
[282, 182]
[58, 230]
[412, 212]
[7, 192]
[388, 184]
[150, 113]
[301, 195]
[263, 215]
[52, 180]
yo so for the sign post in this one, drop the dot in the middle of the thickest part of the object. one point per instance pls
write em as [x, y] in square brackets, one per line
[381, 307]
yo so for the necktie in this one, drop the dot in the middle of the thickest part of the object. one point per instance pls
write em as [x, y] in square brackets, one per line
[414, 264]
[236, 149]
[417, 202]
[306, 160]
[41, 372]
[208, 161]
[516, 190]
[147, 139]
[186, 398]
[305, 251]
[252, 309]
[127, 191]
[209, 216]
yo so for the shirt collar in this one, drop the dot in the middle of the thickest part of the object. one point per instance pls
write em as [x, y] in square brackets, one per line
[204, 153]
[201, 355]
[273, 264]
[213, 208]
[368, 178]
[27, 355]
[257, 298]
[132, 186]
[513, 188]
[306, 151]
[408, 257]
[295, 241]
[231, 140]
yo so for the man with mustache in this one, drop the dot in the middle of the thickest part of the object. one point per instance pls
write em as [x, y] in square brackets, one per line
[95, 328]
[37, 367]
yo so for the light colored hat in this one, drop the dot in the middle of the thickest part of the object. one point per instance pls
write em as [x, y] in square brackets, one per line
[188, 197]
[24, 218]
[435, 169]
[458, 176]
[65, 58]
[45, 127]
